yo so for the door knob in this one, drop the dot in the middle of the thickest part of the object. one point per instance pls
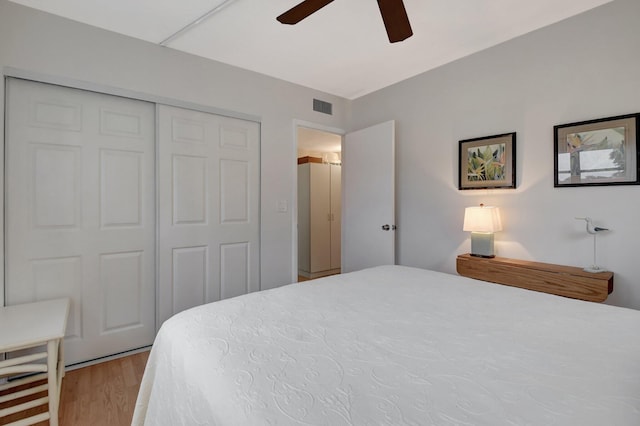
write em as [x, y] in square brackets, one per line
[385, 227]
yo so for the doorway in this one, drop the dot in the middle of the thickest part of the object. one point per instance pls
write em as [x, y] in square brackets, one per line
[319, 164]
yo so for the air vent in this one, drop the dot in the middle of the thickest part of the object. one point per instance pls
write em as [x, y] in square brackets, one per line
[322, 106]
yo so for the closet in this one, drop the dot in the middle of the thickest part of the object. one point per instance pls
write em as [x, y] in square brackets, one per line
[319, 218]
[133, 210]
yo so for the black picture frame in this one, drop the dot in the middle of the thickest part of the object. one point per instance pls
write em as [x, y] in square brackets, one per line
[597, 152]
[487, 162]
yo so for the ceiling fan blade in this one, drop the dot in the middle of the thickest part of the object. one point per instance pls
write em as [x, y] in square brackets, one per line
[395, 20]
[302, 10]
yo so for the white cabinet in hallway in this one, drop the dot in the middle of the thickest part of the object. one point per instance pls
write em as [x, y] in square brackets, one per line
[319, 219]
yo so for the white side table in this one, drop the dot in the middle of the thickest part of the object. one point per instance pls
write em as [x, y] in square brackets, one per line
[29, 326]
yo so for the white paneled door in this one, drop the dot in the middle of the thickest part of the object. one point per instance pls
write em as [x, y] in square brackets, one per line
[368, 194]
[80, 212]
[209, 183]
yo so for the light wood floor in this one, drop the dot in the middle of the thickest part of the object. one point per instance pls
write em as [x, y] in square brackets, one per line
[100, 394]
[303, 278]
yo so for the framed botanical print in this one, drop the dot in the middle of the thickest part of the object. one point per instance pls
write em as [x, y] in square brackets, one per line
[487, 162]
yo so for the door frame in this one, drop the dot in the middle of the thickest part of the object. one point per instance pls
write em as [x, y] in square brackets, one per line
[10, 72]
[294, 194]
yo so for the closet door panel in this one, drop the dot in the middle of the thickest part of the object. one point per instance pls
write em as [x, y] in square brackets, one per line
[190, 272]
[81, 212]
[208, 208]
[237, 232]
[234, 191]
[234, 269]
[121, 188]
[189, 192]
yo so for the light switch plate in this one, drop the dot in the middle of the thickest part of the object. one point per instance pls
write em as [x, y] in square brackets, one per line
[283, 206]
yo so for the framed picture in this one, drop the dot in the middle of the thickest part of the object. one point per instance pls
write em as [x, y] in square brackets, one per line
[487, 162]
[597, 152]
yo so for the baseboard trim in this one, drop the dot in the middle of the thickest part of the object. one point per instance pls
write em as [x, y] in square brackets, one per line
[106, 358]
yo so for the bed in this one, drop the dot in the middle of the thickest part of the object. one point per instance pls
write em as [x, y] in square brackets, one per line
[395, 345]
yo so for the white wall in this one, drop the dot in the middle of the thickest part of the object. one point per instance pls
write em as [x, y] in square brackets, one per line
[583, 68]
[38, 42]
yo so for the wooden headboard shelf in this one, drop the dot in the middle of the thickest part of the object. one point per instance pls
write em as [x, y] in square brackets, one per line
[567, 281]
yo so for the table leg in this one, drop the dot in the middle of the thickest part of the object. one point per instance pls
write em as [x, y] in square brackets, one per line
[52, 380]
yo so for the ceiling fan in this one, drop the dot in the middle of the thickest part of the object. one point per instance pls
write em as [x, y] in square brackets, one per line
[393, 13]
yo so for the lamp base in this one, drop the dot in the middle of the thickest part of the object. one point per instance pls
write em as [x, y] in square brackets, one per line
[594, 269]
[482, 244]
[486, 256]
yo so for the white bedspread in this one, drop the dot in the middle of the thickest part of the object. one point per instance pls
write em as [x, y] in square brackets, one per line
[395, 346]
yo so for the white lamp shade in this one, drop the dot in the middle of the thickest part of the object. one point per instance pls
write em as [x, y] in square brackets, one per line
[482, 219]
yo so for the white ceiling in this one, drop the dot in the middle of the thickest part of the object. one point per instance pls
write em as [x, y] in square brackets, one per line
[318, 141]
[342, 49]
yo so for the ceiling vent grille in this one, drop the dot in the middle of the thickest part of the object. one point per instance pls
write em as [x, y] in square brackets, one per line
[322, 106]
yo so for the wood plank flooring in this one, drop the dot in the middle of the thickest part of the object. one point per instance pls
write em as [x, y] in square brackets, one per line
[97, 395]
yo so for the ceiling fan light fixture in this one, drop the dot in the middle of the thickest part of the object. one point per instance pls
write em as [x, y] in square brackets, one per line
[394, 16]
[302, 10]
[396, 21]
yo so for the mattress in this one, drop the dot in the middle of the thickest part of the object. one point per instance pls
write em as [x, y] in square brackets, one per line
[394, 345]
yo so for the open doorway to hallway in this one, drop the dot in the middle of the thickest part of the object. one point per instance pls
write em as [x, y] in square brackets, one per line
[319, 203]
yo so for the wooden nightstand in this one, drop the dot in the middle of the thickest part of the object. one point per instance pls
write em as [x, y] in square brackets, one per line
[40, 327]
[567, 281]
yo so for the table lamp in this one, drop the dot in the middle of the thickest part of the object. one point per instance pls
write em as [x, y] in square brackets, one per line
[482, 221]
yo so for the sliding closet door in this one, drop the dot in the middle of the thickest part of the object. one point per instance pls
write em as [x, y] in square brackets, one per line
[208, 208]
[80, 218]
